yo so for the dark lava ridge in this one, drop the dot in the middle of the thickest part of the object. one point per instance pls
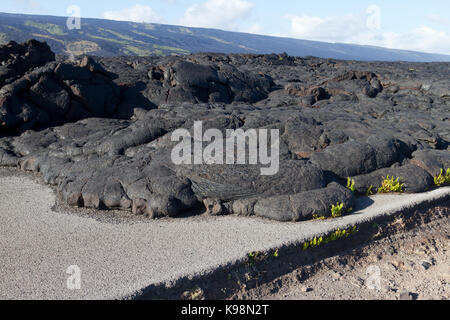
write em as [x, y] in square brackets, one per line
[99, 129]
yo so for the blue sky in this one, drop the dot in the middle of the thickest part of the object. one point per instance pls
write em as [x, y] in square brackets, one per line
[402, 24]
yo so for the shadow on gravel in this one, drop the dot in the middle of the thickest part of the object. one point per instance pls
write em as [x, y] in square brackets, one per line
[263, 268]
[362, 203]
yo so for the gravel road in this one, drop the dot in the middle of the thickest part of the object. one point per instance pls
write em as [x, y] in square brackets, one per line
[118, 258]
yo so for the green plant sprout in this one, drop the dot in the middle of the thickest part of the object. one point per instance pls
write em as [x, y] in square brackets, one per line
[253, 255]
[389, 185]
[336, 210]
[369, 191]
[318, 217]
[351, 184]
[441, 179]
[336, 235]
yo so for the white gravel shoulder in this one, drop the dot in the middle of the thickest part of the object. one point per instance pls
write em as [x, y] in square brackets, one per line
[37, 244]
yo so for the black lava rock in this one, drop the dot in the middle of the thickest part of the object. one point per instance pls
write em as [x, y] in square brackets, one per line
[99, 129]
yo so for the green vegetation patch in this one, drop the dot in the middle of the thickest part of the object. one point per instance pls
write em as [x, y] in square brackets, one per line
[118, 35]
[350, 183]
[82, 47]
[13, 28]
[172, 49]
[46, 36]
[369, 191]
[391, 185]
[442, 179]
[158, 52]
[336, 235]
[107, 39]
[219, 40]
[144, 34]
[47, 27]
[138, 51]
[336, 210]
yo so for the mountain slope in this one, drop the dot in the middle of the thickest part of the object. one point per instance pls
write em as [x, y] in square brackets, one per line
[112, 38]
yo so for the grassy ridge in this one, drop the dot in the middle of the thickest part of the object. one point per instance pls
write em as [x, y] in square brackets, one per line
[113, 38]
[97, 37]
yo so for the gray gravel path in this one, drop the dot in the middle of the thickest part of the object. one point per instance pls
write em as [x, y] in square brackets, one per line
[37, 244]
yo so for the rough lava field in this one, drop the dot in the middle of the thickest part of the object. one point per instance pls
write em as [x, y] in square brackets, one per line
[99, 129]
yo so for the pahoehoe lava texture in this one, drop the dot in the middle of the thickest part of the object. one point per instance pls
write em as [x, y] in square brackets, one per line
[99, 129]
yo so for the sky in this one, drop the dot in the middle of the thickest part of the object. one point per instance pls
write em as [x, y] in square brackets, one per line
[401, 24]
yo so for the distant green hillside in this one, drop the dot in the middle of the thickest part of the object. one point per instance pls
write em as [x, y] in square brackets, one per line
[97, 37]
[114, 38]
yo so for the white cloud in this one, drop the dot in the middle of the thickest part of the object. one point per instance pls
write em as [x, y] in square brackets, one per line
[225, 14]
[439, 19]
[136, 13]
[422, 38]
[366, 29]
[326, 29]
[33, 4]
[254, 28]
[374, 17]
